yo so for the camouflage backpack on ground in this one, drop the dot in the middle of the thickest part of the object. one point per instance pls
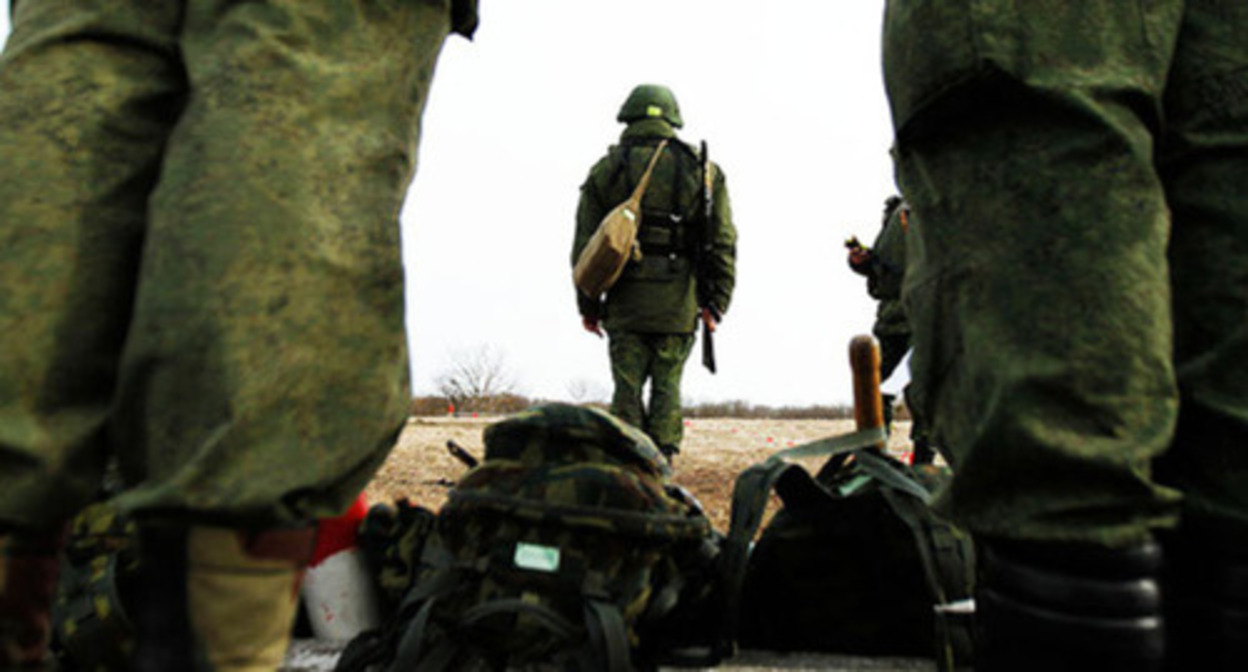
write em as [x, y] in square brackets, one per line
[565, 549]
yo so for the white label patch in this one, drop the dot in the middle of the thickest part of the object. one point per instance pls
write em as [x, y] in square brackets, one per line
[537, 558]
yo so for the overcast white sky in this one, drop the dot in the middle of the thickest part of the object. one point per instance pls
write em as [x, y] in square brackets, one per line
[790, 98]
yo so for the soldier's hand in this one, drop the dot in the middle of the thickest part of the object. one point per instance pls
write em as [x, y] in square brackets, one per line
[592, 326]
[709, 318]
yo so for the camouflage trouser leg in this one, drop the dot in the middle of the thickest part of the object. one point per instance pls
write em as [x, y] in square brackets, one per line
[659, 358]
[1039, 287]
[200, 253]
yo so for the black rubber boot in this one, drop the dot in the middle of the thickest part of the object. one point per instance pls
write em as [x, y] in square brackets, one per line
[1206, 584]
[159, 609]
[1048, 606]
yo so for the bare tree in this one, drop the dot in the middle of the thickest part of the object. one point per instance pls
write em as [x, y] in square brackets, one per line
[476, 378]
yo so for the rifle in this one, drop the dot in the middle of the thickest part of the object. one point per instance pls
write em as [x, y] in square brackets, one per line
[703, 261]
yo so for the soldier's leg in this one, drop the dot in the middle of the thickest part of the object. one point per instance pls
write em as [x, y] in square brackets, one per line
[264, 376]
[1039, 303]
[90, 91]
[268, 337]
[666, 421]
[630, 364]
[1203, 159]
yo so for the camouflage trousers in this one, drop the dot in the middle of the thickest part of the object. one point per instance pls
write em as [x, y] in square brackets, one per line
[659, 359]
[199, 251]
[1078, 270]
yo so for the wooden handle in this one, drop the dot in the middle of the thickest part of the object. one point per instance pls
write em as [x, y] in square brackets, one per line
[864, 359]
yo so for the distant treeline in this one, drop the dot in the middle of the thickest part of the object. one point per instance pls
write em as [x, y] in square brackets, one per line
[513, 403]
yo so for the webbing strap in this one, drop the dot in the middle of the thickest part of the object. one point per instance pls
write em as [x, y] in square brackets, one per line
[408, 652]
[879, 469]
[606, 626]
[542, 615]
[943, 575]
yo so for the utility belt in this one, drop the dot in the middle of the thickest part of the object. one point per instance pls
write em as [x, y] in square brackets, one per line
[663, 234]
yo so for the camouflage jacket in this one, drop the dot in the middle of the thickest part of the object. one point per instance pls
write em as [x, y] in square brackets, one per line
[659, 293]
[885, 271]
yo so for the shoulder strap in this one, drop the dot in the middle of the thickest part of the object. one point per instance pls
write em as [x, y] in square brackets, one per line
[645, 177]
[947, 570]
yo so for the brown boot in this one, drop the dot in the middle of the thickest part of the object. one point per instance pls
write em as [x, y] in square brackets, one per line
[28, 571]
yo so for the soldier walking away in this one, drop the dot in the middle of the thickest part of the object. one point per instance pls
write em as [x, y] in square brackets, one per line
[687, 267]
[884, 266]
[200, 262]
[1080, 313]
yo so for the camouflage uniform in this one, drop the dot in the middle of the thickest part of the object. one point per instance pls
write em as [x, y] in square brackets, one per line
[885, 269]
[1080, 294]
[198, 204]
[651, 312]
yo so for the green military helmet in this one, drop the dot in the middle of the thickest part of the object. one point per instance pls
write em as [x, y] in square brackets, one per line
[651, 101]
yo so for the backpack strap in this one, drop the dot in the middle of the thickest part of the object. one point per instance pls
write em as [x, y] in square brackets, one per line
[608, 634]
[944, 567]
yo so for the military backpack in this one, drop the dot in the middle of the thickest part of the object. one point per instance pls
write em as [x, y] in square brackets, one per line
[566, 549]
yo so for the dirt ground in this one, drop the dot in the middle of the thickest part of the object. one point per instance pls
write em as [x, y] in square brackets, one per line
[714, 451]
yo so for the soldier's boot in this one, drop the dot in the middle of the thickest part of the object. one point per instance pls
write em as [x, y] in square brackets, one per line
[923, 453]
[28, 569]
[1206, 590]
[1045, 606]
[217, 599]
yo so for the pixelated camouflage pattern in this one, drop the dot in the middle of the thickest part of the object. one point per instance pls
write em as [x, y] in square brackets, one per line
[657, 294]
[660, 359]
[1080, 272]
[623, 536]
[91, 629]
[199, 247]
[391, 538]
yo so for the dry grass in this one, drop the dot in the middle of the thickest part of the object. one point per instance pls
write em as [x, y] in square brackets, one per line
[715, 451]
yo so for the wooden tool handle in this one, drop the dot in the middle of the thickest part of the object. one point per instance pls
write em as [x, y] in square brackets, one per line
[864, 359]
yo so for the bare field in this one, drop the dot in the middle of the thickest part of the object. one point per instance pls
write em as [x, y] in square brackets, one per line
[714, 452]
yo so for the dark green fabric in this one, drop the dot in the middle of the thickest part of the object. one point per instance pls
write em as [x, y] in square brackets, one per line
[884, 275]
[199, 251]
[1080, 283]
[659, 359]
[657, 294]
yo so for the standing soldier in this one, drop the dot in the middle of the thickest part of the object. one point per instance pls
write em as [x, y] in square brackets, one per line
[687, 268]
[199, 256]
[1080, 314]
[884, 265]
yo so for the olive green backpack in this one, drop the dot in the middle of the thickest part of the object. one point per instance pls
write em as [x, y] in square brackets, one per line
[566, 549]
